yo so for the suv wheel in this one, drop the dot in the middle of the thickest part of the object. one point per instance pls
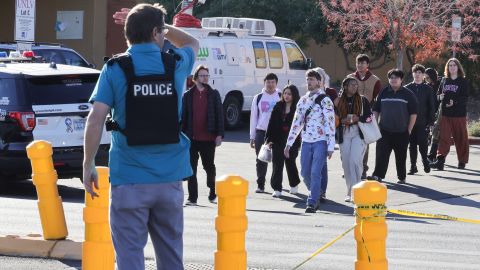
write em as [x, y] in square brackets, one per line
[232, 111]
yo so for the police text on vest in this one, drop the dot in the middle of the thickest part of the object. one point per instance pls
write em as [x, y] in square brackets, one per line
[152, 89]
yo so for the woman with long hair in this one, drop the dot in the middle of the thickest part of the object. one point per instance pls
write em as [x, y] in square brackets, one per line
[276, 136]
[454, 96]
[352, 108]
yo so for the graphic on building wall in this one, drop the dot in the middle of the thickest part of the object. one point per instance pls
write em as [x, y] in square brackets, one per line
[69, 25]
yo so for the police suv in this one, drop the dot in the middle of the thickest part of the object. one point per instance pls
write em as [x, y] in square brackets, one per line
[239, 53]
[41, 101]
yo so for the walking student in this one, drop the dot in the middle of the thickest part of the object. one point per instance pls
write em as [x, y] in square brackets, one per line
[149, 156]
[368, 86]
[397, 108]
[276, 136]
[262, 106]
[425, 118]
[352, 108]
[432, 79]
[203, 123]
[454, 96]
[315, 120]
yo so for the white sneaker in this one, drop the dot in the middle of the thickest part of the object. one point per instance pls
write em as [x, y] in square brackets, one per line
[276, 194]
[191, 203]
[294, 190]
[348, 199]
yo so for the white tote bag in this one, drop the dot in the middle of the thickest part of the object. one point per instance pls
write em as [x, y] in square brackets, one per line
[265, 153]
[371, 131]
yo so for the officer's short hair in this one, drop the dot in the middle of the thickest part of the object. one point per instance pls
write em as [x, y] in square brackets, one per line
[197, 70]
[314, 74]
[395, 72]
[418, 67]
[363, 58]
[141, 20]
[271, 76]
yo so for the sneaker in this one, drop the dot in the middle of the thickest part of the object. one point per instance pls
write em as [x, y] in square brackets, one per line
[276, 194]
[413, 170]
[375, 178]
[364, 176]
[310, 209]
[294, 190]
[212, 197]
[191, 203]
[401, 181]
[323, 198]
[260, 190]
[461, 165]
[426, 169]
[348, 199]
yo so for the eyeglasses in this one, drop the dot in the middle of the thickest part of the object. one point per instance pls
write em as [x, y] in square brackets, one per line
[204, 76]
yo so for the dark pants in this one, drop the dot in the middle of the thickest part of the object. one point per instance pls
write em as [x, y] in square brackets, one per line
[261, 166]
[398, 142]
[278, 160]
[205, 150]
[419, 138]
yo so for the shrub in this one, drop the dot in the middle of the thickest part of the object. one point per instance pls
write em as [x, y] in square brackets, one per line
[474, 129]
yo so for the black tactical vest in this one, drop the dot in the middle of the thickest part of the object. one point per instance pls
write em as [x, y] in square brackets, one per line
[151, 104]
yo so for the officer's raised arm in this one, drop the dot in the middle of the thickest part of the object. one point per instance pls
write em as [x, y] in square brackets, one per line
[180, 38]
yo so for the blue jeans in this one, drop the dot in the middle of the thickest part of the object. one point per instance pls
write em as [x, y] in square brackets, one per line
[313, 160]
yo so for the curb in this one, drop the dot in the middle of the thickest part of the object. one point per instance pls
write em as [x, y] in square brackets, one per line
[474, 140]
[33, 245]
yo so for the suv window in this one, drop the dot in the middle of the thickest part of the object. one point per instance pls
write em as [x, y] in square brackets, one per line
[61, 89]
[9, 94]
[51, 56]
[260, 57]
[275, 56]
[295, 57]
[73, 59]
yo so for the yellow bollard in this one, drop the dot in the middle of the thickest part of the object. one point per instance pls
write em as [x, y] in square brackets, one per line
[371, 235]
[97, 249]
[231, 223]
[45, 179]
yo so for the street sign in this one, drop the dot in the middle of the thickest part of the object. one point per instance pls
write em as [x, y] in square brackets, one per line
[25, 20]
[456, 28]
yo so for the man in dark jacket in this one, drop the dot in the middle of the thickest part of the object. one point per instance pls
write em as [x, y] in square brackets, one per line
[425, 118]
[202, 122]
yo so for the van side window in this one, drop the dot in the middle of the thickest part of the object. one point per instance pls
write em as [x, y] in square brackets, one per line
[275, 56]
[260, 57]
[295, 57]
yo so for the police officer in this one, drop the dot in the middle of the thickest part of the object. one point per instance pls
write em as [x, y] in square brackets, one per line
[149, 156]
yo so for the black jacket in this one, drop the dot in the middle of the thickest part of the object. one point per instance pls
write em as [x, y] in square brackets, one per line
[366, 113]
[275, 132]
[215, 121]
[426, 103]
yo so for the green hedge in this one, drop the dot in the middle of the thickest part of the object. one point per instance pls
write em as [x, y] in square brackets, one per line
[474, 129]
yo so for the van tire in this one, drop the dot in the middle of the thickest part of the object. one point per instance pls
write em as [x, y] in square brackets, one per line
[233, 112]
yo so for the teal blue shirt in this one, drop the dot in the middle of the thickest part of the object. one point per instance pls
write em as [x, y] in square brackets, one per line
[144, 164]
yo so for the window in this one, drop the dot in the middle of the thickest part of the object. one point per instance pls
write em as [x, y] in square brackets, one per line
[275, 56]
[73, 59]
[295, 57]
[50, 56]
[260, 57]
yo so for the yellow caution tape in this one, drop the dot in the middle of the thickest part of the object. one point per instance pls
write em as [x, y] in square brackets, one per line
[324, 247]
[435, 216]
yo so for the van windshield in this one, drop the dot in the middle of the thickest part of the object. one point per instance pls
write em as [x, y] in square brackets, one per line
[65, 89]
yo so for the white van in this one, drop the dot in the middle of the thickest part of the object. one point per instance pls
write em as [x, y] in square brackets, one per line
[239, 52]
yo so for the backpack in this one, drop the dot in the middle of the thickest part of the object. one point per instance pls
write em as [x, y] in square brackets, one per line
[259, 97]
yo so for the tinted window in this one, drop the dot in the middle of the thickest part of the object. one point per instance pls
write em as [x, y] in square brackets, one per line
[295, 57]
[61, 89]
[73, 59]
[275, 57]
[51, 56]
[9, 94]
[260, 57]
